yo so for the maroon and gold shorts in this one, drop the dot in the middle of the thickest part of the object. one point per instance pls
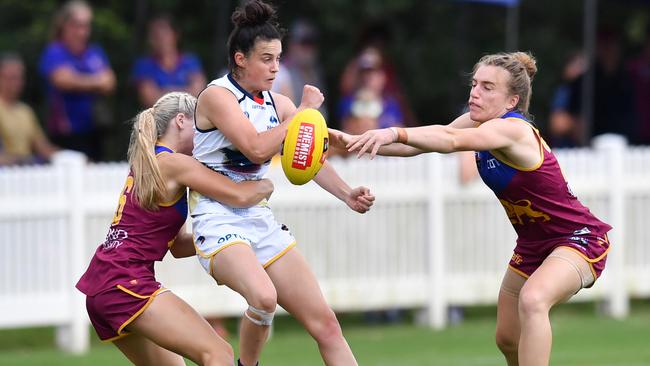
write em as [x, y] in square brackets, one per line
[111, 310]
[528, 256]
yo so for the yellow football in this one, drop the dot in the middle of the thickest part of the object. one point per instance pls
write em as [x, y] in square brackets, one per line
[305, 147]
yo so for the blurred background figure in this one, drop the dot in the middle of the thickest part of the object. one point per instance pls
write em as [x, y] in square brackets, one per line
[639, 69]
[77, 74]
[613, 98]
[467, 170]
[300, 64]
[5, 159]
[370, 104]
[166, 68]
[377, 36]
[565, 129]
[282, 82]
[21, 136]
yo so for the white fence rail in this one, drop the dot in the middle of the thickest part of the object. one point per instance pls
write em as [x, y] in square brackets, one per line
[427, 243]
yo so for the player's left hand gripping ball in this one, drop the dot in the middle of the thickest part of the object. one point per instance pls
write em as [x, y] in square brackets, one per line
[305, 147]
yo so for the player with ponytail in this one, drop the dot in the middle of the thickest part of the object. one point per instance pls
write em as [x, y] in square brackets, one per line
[240, 126]
[125, 303]
[561, 246]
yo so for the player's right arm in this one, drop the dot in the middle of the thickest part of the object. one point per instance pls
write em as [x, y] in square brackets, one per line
[188, 172]
[340, 139]
[219, 108]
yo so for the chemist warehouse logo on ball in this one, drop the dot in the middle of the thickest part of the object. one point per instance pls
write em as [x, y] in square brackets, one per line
[304, 146]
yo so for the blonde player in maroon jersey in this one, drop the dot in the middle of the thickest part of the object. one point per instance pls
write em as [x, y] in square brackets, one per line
[125, 303]
[561, 246]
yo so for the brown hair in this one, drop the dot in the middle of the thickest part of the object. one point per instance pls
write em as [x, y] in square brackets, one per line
[148, 126]
[522, 68]
[252, 20]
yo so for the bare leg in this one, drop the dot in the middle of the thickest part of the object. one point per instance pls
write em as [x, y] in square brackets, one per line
[142, 351]
[169, 327]
[556, 280]
[238, 268]
[508, 327]
[300, 294]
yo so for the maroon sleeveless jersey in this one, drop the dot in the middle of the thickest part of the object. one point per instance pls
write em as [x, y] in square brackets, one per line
[135, 240]
[538, 201]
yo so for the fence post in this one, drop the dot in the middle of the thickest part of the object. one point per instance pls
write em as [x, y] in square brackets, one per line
[612, 148]
[74, 336]
[437, 297]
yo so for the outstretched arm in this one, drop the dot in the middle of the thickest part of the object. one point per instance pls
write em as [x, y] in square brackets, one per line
[358, 199]
[490, 135]
[340, 139]
[343, 140]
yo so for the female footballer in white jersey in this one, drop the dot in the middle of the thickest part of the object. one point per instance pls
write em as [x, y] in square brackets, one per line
[240, 126]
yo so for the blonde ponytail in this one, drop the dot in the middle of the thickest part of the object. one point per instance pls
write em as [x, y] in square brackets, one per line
[150, 186]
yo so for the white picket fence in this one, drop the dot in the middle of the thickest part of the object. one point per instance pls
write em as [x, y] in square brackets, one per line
[427, 243]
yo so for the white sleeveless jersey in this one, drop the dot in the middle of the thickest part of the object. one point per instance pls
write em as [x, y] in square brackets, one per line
[214, 150]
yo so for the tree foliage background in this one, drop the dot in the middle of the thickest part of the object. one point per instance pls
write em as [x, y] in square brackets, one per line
[433, 43]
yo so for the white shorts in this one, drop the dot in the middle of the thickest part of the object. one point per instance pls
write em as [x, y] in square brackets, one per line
[255, 226]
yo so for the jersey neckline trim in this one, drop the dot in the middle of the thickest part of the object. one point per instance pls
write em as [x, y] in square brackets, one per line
[161, 148]
[244, 91]
[516, 116]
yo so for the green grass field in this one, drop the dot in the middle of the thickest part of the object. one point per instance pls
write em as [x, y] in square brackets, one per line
[581, 338]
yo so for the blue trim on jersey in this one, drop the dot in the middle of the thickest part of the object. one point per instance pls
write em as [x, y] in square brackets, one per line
[273, 103]
[496, 174]
[196, 107]
[181, 206]
[515, 114]
[236, 84]
[159, 148]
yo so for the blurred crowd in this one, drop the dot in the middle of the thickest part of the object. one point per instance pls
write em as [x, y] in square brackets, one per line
[76, 78]
[621, 90]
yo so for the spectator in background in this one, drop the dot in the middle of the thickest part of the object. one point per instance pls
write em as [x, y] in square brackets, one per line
[613, 99]
[5, 159]
[300, 64]
[565, 129]
[22, 137]
[370, 104]
[166, 68]
[77, 75]
[377, 35]
[639, 69]
[282, 82]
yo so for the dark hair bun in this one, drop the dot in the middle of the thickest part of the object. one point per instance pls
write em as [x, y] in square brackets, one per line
[254, 12]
